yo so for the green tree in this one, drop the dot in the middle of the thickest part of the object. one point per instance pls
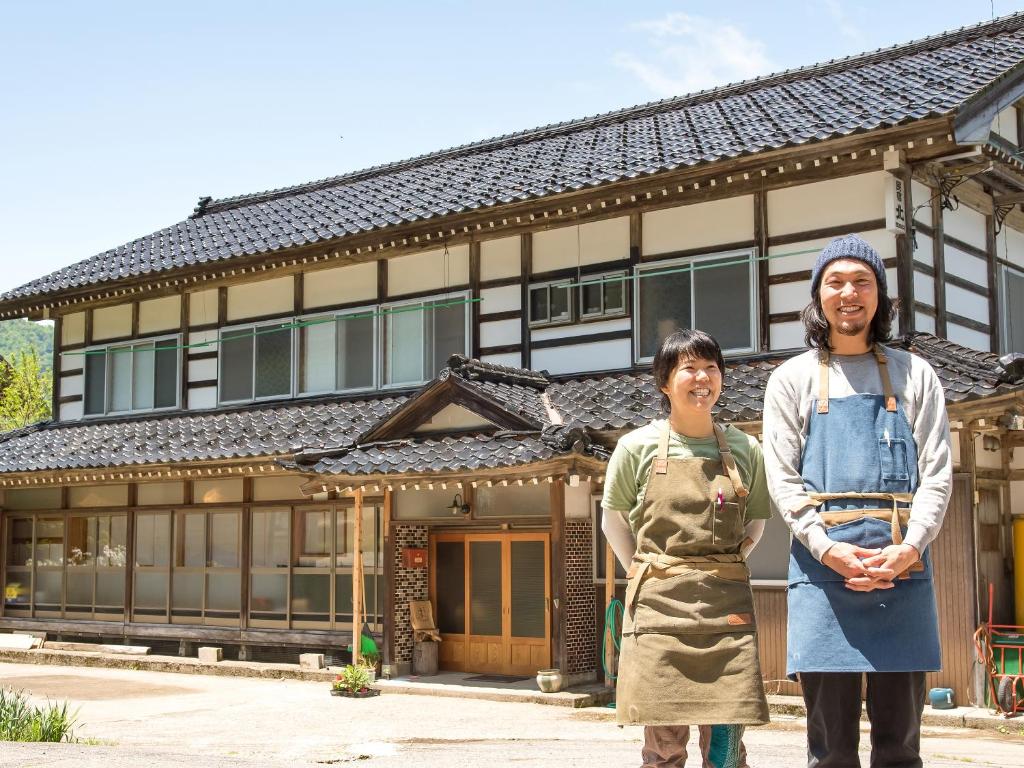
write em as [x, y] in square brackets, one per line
[26, 398]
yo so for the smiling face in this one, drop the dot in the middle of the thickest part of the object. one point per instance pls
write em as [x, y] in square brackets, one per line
[693, 386]
[849, 297]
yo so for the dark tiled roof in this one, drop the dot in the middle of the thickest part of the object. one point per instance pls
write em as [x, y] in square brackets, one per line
[325, 435]
[266, 431]
[930, 77]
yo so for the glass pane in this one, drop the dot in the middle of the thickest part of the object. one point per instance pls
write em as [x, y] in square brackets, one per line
[539, 304]
[19, 541]
[451, 587]
[190, 540]
[166, 374]
[270, 538]
[236, 364]
[79, 590]
[224, 591]
[110, 590]
[49, 549]
[120, 378]
[48, 588]
[1015, 318]
[722, 296]
[370, 544]
[405, 345]
[143, 377]
[318, 356]
[16, 589]
[269, 594]
[591, 297]
[664, 307]
[273, 361]
[151, 589]
[113, 539]
[355, 352]
[224, 527]
[449, 335]
[485, 587]
[316, 539]
[187, 593]
[152, 539]
[343, 596]
[615, 296]
[528, 589]
[95, 376]
[82, 544]
[560, 303]
[311, 592]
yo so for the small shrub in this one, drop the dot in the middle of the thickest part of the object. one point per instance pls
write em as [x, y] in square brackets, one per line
[352, 678]
[20, 721]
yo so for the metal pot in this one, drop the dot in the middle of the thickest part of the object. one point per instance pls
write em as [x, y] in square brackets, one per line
[549, 680]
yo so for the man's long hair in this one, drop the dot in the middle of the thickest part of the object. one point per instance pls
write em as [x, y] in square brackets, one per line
[816, 327]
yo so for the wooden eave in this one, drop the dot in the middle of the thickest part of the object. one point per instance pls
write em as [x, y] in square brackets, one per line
[973, 121]
[922, 140]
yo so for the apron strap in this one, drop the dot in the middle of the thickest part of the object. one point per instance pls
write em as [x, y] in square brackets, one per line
[823, 382]
[661, 460]
[883, 372]
[729, 462]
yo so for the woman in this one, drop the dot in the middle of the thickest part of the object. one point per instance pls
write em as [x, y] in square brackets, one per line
[685, 501]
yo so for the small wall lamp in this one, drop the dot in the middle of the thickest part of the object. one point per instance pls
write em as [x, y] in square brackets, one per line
[458, 506]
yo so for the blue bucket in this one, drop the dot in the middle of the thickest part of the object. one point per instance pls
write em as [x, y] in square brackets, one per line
[942, 698]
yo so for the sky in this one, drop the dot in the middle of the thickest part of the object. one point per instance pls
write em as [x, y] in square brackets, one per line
[116, 117]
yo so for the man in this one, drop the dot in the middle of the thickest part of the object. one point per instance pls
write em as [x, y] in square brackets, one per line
[856, 446]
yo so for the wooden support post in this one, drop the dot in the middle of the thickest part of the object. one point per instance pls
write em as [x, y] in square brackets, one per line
[968, 464]
[388, 651]
[761, 237]
[474, 288]
[904, 246]
[939, 259]
[56, 368]
[525, 268]
[992, 272]
[183, 353]
[357, 578]
[558, 592]
[609, 595]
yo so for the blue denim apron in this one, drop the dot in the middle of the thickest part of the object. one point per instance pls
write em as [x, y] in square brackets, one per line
[860, 444]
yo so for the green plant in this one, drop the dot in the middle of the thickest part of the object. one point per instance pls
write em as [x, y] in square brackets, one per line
[20, 721]
[353, 678]
[370, 660]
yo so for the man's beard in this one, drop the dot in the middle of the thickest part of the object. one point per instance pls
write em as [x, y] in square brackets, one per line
[851, 327]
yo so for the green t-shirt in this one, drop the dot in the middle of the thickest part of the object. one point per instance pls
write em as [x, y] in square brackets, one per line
[626, 476]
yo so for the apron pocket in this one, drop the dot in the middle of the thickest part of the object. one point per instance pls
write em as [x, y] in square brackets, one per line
[892, 457]
[693, 603]
[728, 525]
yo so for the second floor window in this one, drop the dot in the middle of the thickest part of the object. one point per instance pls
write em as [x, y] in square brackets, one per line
[336, 352]
[419, 336]
[256, 362]
[125, 378]
[1013, 321]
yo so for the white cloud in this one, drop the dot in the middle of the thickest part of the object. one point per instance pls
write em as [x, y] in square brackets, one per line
[690, 53]
[846, 26]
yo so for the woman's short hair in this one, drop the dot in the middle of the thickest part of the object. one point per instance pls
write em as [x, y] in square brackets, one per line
[682, 345]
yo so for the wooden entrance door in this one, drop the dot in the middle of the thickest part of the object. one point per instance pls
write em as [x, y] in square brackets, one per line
[491, 593]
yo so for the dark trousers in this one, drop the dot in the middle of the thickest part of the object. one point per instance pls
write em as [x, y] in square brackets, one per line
[895, 703]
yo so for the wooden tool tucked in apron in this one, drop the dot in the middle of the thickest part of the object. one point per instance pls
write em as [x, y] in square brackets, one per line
[689, 647]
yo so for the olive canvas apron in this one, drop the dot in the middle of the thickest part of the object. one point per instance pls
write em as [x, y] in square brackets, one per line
[689, 645]
[860, 465]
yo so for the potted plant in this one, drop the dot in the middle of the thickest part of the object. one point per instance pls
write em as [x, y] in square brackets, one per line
[371, 661]
[353, 682]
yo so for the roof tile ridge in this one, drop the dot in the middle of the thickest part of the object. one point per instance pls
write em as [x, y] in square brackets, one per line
[1011, 22]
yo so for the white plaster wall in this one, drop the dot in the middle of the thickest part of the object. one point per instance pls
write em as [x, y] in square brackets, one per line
[968, 337]
[71, 411]
[925, 251]
[507, 298]
[924, 322]
[702, 225]
[72, 329]
[1010, 246]
[341, 285]
[204, 397]
[789, 297]
[920, 195]
[806, 252]
[426, 271]
[500, 333]
[986, 459]
[966, 266]
[72, 385]
[966, 303]
[266, 297]
[277, 488]
[202, 370]
[965, 224]
[787, 335]
[954, 440]
[453, 417]
[501, 258]
[581, 330]
[201, 337]
[511, 359]
[598, 241]
[69, 361]
[577, 501]
[202, 307]
[160, 314]
[577, 358]
[111, 322]
[924, 288]
[826, 203]
[1005, 124]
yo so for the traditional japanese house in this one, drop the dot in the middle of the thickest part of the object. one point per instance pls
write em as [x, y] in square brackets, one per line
[417, 371]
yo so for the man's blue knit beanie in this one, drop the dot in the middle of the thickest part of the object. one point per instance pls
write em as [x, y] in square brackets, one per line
[849, 247]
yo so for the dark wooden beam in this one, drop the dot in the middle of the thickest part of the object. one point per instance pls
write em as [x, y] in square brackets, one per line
[382, 279]
[299, 300]
[503, 349]
[939, 262]
[905, 255]
[491, 317]
[763, 293]
[825, 232]
[558, 591]
[222, 306]
[992, 270]
[55, 363]
[246, 551]
[1015, 198]
[474, 292]
[590, 338]
[183, 324]
[526, 269]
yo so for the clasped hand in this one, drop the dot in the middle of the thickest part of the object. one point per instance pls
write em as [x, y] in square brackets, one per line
[865, 569]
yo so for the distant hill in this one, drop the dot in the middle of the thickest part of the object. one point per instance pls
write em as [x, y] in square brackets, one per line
[21, 334]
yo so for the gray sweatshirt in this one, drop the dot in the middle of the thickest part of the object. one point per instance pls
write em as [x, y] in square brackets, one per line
[788, 401]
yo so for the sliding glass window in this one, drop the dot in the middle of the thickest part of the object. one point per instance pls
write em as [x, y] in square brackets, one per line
[130, 378]
[420, 336]
[256, 361]
[337, 352]
[97, 549]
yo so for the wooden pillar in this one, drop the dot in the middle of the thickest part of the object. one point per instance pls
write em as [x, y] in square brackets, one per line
[895, 163]
[558, 592]
[56, 368]
[761, 238]
[609, 596]
[474, 294]
[246, 559]
[525, 268]
[939, 259]
[636, 249]
[992, 269]
[388, 651]
[184, 352]
[968, 465]
[357, 578]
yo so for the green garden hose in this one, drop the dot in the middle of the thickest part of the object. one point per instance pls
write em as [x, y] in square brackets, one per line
[613, 625]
